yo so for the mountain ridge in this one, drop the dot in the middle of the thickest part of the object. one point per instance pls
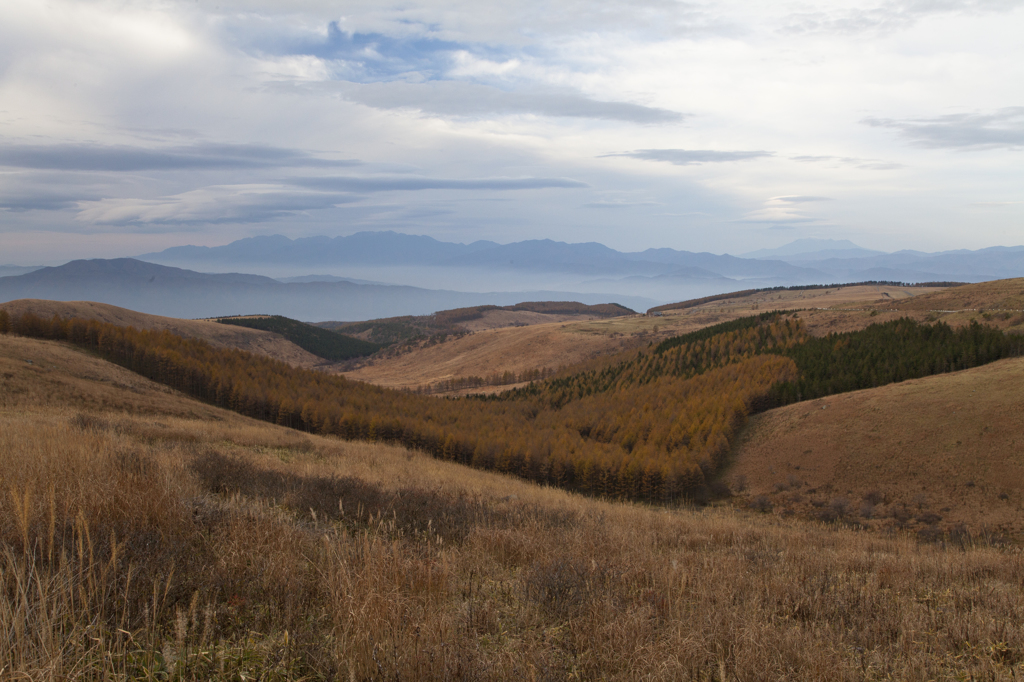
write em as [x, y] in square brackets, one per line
[177, 292]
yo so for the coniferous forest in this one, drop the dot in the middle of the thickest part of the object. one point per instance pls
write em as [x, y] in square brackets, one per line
[655, 426]
[323, 343]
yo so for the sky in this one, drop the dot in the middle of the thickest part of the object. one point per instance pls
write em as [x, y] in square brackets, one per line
[128, 127]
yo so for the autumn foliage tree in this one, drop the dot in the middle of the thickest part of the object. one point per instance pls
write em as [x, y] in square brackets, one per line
[654, 426]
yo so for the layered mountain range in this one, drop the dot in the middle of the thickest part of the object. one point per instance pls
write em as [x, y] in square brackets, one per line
[381, 274]
[372, 255]
[176, 292]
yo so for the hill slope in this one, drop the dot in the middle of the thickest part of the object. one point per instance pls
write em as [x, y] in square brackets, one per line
[950, 445]
[147, 535]
[219, 335]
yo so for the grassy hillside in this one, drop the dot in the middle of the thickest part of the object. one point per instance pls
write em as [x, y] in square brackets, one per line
[217, 335]
[930, 454]
[329, 345]
[776, 291]
[445, 323]
[145, 535]
[998, 295]
[653, 427]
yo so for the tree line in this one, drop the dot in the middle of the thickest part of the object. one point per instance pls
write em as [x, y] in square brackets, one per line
[656, 440]
[653, 426]
[323, 343]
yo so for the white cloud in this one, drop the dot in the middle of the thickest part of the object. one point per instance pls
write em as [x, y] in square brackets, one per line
[124, 106]
[213, 204]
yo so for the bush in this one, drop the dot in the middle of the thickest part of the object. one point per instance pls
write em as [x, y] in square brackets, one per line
[839, 505]
[827, 514]
[762, 504]
[873, 496]
[900, 513]
[5, 322]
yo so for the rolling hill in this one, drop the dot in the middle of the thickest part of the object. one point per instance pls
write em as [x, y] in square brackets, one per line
[218, 335]
[939, 453]
[147, 534]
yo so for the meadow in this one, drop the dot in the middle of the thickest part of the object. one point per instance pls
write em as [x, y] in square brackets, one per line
[146, 535]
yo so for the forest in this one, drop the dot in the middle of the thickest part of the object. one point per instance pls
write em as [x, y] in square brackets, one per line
[655, 426]
[323, 343]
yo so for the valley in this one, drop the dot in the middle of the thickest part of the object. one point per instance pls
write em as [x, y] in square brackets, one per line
[154, 534]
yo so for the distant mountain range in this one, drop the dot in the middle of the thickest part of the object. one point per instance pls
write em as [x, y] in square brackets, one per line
[175, 292]
[656, 273]
[382, 274]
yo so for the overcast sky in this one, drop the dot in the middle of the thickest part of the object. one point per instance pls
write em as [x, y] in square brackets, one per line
[127, 127]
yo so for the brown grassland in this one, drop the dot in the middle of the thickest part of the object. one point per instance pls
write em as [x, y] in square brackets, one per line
[147, 535]
[932, 454]
[555, 345]
[218, 335]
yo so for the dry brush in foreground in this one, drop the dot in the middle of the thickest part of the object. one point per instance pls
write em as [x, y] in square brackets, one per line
[139, 544]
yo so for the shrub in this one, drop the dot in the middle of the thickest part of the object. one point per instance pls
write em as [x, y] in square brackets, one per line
[719, 489]
[839, 505]
[867, 509]
[900, 513]
[762, 504]
[873, 496]
[827, 514]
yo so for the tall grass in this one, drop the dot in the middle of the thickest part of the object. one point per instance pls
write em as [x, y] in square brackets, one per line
[170, 548]
[147, 536]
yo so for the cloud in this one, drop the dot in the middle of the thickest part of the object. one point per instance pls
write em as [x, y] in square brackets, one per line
[209, 205]
[94, 157]
[369, 57]
[620, 204]
[689, 157]
[38, 201]
[392, 184]
[457, 98]
[888, 17]
[256, 203]
[797, 199]
[784, 210]
[1002, 129]
[862, 164]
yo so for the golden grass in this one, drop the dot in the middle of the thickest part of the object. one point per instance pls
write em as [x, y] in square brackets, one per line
[159, 538]
[218, 335]
[573, 341]
[943, 452]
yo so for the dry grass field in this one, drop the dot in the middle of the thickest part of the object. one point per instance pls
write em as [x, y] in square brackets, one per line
[932, 455]
[495, 348]
[512, 349]
[144, 535]
[218, 335]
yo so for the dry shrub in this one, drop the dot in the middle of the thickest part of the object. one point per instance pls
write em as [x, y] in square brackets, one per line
[874, 497]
